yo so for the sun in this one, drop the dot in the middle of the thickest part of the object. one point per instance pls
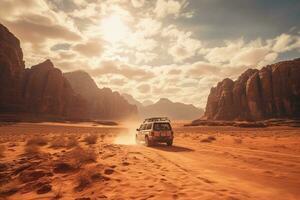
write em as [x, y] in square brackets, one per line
[114, 29]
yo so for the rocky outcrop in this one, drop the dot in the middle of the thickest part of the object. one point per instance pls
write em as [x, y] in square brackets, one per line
[11, 70]
[272, 92]
[47, 91]
[39, 90]
[102, 103]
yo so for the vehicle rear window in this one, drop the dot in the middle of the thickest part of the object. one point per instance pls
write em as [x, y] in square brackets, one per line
[162, 127]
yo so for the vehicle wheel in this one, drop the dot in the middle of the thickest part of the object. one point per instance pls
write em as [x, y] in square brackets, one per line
[170, 143]
[147, 142]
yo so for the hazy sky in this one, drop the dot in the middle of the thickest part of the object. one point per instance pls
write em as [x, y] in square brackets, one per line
[177, 49]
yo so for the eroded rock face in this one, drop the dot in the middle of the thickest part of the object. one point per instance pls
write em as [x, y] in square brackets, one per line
[102, 103]
[272, 92]
[221, 100]
[39, 90]
[47, 91]
[43, 89]
[11, 71]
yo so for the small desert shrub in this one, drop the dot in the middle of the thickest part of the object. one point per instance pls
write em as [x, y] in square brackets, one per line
[2, 150]
[91, 139]
[72, 141]
[64, 142]
[32, 149]
[37, 140]
[82, 156]
[87, 177]
[58, 142]
[63, 167]
[208, 139]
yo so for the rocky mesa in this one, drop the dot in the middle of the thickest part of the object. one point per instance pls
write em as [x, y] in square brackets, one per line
[272, 92]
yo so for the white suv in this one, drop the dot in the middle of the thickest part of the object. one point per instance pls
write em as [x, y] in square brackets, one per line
[155, 130]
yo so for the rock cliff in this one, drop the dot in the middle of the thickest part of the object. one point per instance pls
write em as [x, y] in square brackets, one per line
[272, 92]
[11, 71]
[47, 91]
[39, 90]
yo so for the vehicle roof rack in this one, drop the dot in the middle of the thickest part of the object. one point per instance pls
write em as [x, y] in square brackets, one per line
[157, 119]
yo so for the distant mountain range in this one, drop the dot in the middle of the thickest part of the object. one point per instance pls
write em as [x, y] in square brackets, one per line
[165, 107]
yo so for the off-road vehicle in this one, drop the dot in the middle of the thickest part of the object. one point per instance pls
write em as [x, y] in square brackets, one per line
[155, 130]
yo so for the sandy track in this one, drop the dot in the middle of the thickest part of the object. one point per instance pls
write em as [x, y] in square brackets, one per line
[264, 165]
[212, 175]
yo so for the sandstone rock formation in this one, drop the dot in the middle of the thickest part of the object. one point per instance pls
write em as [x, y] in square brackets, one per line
[11, 70]
[102, 103]
[272, 92]
[39, 90]
[47, 91]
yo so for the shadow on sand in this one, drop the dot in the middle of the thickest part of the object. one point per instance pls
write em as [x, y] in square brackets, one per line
[173, 148]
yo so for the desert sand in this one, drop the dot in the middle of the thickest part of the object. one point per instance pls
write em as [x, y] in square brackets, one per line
[87, 161]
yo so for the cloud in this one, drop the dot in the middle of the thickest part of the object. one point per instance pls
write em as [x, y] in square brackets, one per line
[286, 42]
[145, 57]
[139, 42]
[164, 8]
[174, 72]
[250, 56]
[39, 29]
[149, 27]
[184, 50]
[66, 55]
[119, 81]
[128, 71]
[202, 69]
[60, 46]
[137, 3]
[255, 53]
[225, 53]
[9, 9]
[91, 11]
[91, 48]
[182, 45]
[144, 88]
